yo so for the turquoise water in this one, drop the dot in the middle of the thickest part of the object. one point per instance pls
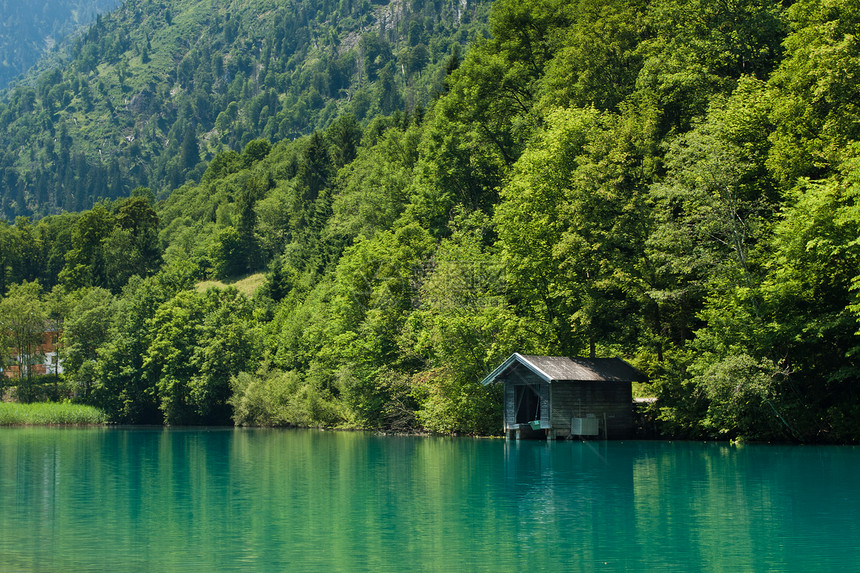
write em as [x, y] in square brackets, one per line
[288, 500]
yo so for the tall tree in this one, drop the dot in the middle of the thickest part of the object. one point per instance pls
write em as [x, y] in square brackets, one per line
[85, 262]
[571, 227]
[815, 108]
[23, 324]
[86, 328]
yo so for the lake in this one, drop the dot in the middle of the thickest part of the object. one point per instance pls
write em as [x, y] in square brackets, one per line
[112, 499]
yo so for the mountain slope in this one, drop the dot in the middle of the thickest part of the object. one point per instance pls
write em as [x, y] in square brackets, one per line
[156, 88]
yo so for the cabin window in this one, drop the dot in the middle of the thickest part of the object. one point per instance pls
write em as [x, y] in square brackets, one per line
[528, 404]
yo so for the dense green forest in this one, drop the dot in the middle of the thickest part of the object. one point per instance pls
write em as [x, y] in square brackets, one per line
[671, 181]
[35, 29]
[157, 88]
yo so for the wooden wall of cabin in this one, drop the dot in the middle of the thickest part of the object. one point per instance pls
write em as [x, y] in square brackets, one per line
[579, 399]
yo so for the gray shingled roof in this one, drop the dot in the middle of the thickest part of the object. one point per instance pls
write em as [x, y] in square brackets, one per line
[556, 368]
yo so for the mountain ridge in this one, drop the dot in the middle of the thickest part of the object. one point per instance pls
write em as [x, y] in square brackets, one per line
[32, 31]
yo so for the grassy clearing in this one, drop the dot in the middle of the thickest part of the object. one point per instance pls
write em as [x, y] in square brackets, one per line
[247, 285]
[48, 414]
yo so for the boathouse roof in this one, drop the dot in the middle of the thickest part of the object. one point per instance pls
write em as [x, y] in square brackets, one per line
[558, 368]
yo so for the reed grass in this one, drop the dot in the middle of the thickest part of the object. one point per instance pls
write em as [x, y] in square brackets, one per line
[246, 285]
[49, 414]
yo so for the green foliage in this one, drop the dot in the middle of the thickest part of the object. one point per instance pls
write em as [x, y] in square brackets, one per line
[463, 328]
[699, 48]
[712, 210]
[570, 225]
[815, 109]
[122, 387]
[665, 181]
[228, 254]
[373, 187]
[741, 394]
[450, 405]
[111, 243]
[599, 61]
[255, 151]
[274, 398]
[198, 342]
[85, 329]
[23, 322]
[49, 414]
[811, 299]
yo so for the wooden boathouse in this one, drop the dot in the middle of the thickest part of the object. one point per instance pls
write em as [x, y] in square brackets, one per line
[556, 397]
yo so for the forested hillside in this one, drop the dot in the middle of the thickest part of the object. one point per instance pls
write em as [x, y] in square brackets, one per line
[671, 181]
[31, 29]
[157, 88]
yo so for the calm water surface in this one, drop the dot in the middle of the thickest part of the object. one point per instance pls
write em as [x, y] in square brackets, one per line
[282, 500]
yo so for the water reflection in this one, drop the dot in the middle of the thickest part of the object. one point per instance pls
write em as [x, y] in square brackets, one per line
[269, 500]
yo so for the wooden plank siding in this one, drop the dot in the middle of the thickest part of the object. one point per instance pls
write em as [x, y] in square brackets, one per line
[545, 405]
[510, 406]
[579, 399]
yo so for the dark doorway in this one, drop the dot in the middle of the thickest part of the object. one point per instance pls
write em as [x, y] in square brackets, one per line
[528, 404]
